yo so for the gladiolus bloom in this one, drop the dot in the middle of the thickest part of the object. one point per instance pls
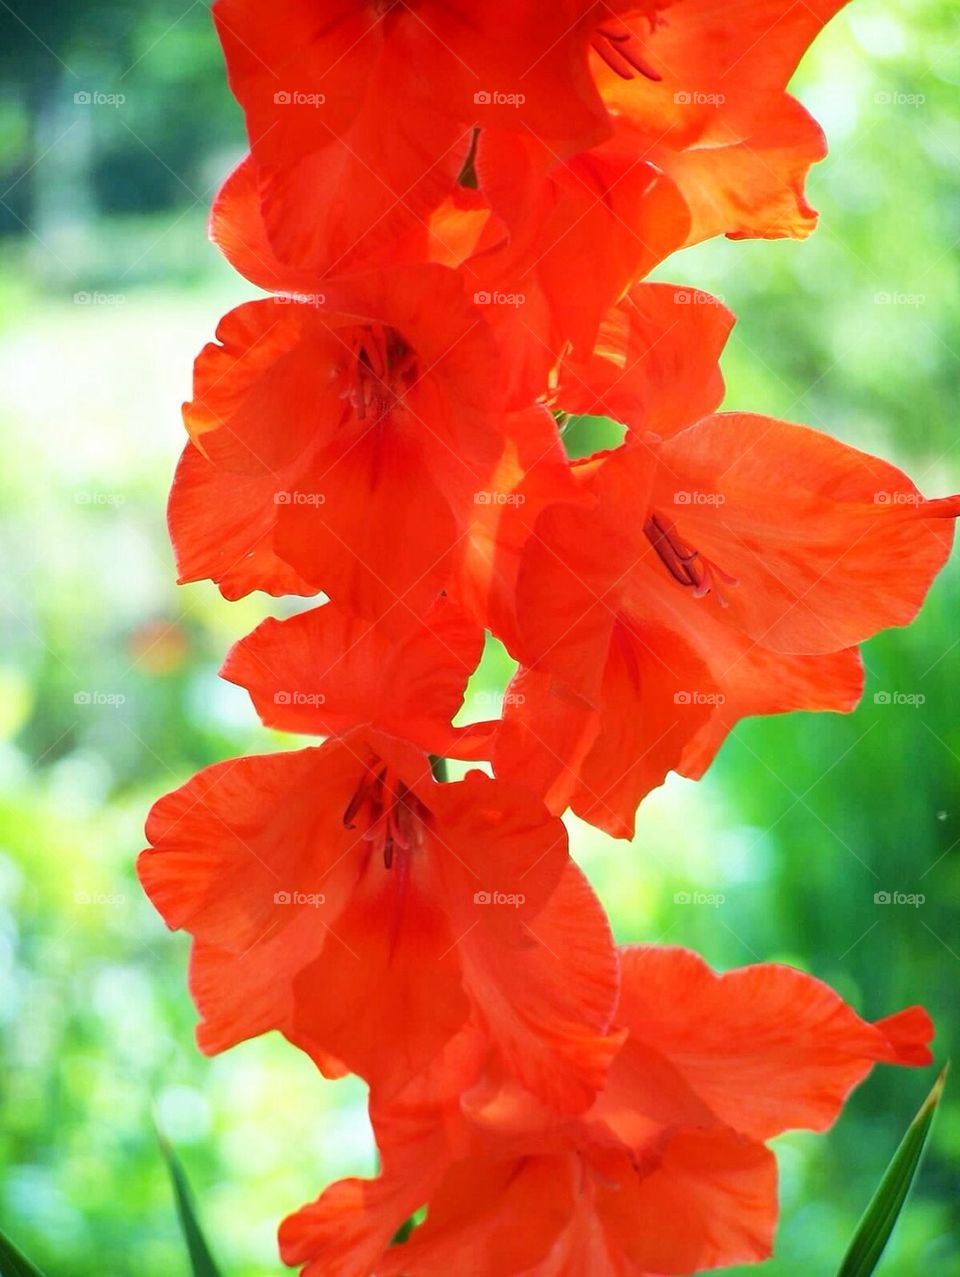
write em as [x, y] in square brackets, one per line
[728, 569]
[667, 1171]
[360, 114]
[342, 896]
[701, 84]
[347, 435]
[453, 204]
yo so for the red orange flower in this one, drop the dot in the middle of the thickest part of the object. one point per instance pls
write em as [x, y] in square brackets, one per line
[360, 116]
[701, 83]
[728, 569]
[667, 1172]
[703, 140]
[352, 431]
[698, 86]
[453, 204]
[620, 131]
[344, 897]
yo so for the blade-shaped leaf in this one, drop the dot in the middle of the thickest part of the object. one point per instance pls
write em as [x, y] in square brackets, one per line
[879, 1219]
[13, 1263]
[201, 1261]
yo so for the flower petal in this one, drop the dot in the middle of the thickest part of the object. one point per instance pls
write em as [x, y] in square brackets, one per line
[767, 1047]
[271, 828]
[713, 1195]
[537, 956]
[753, 186]
[222, 527]
[505, 1215]
[828, 544]
[325, 671]
[655, 366]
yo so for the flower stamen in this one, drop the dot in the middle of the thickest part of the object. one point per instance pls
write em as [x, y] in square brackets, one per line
[619, 49]
[685, 564]
[383, 369]
[391, 815]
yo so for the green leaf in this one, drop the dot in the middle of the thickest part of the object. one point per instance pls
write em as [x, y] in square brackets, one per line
[879, 1219]
[201, 1261]
[13, 1263]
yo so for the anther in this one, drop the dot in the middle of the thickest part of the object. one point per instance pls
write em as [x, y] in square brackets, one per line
[619, 50]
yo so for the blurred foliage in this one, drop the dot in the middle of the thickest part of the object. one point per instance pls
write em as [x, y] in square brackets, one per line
[109, 694]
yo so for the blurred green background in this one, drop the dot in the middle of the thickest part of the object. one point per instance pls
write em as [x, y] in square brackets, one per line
[109, 694]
